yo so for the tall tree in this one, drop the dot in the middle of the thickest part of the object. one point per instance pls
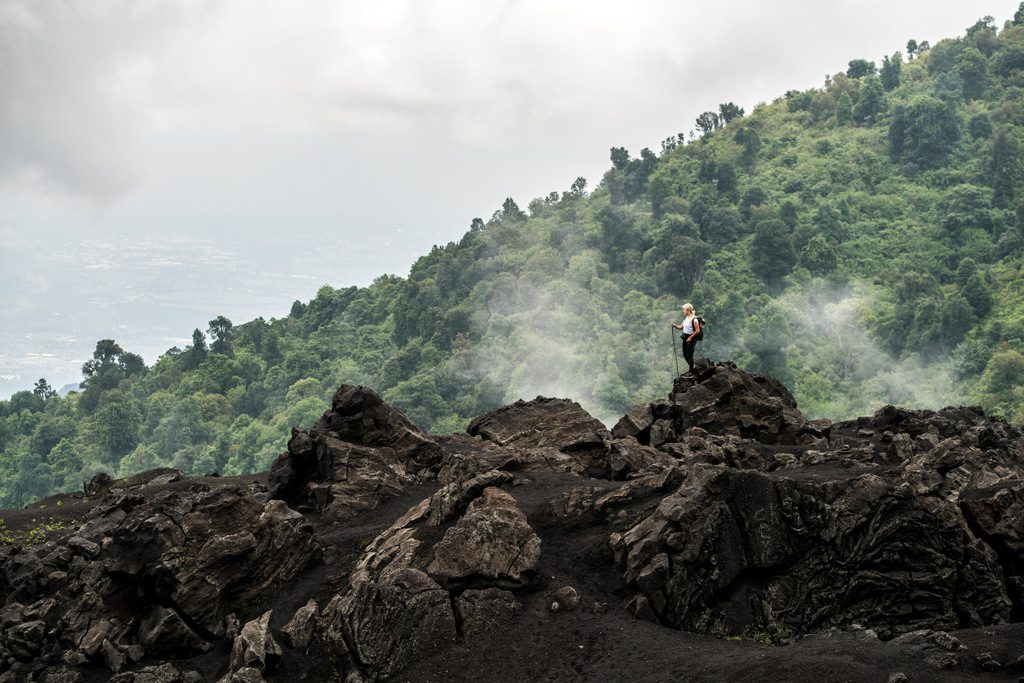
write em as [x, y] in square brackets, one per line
[1009, 60]
[923, 131]
[195, 354]
[725, 180]
[728, 111]
[978, 294]
[788, 213]
[708, 121]
[844, 109]
[104, 357]
[43, 390]
[117, 425]
[858, 68]
[511, 211]
[619, 236]
[818, 256]
[973, 68]
[748, 137]
[109, 365]
[222, 333]
[871, 101]
[682, 266]
[723, 225]
[891, 70]
[1006, 166]
[772, 255]
[620, 158]
[982, 35]
[579, 187]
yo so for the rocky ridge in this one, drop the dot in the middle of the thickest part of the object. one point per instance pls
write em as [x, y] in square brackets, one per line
[718, 519]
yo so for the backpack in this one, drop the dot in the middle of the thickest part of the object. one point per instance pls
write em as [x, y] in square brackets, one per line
[700, 334]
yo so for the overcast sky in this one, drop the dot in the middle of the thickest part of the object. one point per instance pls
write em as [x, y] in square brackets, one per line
[381, 127]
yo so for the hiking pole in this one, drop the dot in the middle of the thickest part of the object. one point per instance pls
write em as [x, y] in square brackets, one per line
[675, 353]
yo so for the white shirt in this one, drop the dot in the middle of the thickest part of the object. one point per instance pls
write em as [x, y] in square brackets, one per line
[688, 325]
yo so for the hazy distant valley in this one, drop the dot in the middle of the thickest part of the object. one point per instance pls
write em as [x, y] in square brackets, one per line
[59, 299]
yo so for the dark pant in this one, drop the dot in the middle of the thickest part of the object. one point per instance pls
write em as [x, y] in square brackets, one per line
[688, 348]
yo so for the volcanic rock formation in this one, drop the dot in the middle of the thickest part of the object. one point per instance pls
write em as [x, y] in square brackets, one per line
[541, 545]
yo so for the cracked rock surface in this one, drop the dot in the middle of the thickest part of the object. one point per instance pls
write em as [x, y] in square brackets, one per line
[714, 535]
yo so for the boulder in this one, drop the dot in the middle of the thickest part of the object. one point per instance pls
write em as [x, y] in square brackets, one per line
[543, 422]
[299, 629]
[360, 453]
[233, 547]
[491, 545]
[379, 627]
[723, 399]
[938, 649]
[487, 455]
[336, 478]
[161, 673]
[359, 415]
[741, 551]
[637, 420]
[163, 632]
[453, 499]
[62, 675]
[556, 435]
[394, 611]
[565, 599]
[626, 458]
[996, 515]
[483, 611]
[247, 674]
[255, 646]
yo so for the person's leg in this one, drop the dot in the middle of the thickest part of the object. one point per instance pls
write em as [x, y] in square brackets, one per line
[688, 348]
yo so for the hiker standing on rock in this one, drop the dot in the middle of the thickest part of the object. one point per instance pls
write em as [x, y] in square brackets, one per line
[690, 328]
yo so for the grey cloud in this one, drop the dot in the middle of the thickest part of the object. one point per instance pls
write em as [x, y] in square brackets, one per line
[63, 121]
[88, 85]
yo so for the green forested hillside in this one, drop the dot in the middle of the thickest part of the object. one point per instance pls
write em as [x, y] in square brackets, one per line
[862, 241]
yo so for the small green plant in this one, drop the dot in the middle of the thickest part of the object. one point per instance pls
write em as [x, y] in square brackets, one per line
[6, 538]
[37, 533]
[775, 636]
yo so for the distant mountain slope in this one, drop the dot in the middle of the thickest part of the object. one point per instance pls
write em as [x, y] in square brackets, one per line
[861, 241]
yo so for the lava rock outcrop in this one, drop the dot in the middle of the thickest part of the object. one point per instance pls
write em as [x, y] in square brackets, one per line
[360, 452]
[372, 549]
[722, 399]
[412, 593]
[154, 572]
